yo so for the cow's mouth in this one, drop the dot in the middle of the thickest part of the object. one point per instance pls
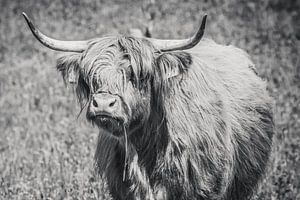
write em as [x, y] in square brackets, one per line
[112, 124]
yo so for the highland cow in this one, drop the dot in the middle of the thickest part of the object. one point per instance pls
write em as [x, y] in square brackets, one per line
[178, 119]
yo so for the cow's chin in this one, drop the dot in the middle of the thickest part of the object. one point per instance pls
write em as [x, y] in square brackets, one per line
[112, 125]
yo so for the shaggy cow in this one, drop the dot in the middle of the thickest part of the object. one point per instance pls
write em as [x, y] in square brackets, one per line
[178, 119]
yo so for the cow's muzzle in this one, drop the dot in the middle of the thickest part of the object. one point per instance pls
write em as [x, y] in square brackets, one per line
[105, 104]
[106, 112]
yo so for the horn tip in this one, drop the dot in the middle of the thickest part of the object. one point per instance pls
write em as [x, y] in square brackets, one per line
[203, 22]
[29, 22]
[25, 15]
[26, 18]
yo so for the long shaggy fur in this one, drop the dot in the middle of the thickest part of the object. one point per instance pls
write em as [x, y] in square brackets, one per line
[207, 132]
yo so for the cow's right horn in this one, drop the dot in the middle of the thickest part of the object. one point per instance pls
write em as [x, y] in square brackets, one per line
[173, 45]
[58, 45]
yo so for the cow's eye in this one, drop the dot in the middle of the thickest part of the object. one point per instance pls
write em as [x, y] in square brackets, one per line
[130, 75]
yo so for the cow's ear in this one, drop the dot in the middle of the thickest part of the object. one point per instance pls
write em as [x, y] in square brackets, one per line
[172, 64]
[68, 65]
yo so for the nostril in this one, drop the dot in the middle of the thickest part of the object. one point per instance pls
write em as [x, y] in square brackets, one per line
[112, 103]
[95, 104]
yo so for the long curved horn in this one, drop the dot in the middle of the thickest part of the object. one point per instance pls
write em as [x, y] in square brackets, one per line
[172, 45]
[58, 45]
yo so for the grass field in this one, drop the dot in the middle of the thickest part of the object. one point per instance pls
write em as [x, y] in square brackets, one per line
[47, 153]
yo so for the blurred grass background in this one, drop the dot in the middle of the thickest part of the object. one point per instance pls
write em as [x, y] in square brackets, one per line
[47, 153]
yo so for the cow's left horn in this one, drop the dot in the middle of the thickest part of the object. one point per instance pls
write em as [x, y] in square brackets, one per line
[172, 45]
[59, 45]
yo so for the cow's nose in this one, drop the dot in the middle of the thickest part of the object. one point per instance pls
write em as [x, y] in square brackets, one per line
[104, 103]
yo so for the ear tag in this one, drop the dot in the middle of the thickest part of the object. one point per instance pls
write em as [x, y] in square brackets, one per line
[72, 76]
[172, 72]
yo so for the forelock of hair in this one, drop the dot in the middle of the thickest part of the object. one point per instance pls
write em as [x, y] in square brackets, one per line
[101, 52]
[140, 53]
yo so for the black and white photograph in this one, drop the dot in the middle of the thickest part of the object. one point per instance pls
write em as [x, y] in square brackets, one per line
[149, 100]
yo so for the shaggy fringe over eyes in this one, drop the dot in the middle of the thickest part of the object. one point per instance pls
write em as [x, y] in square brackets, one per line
[139, 52]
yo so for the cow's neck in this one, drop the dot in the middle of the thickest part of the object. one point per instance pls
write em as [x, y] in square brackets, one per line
[150, 140]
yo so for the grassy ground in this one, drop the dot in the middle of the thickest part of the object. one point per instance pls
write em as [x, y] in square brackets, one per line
[47, 153]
